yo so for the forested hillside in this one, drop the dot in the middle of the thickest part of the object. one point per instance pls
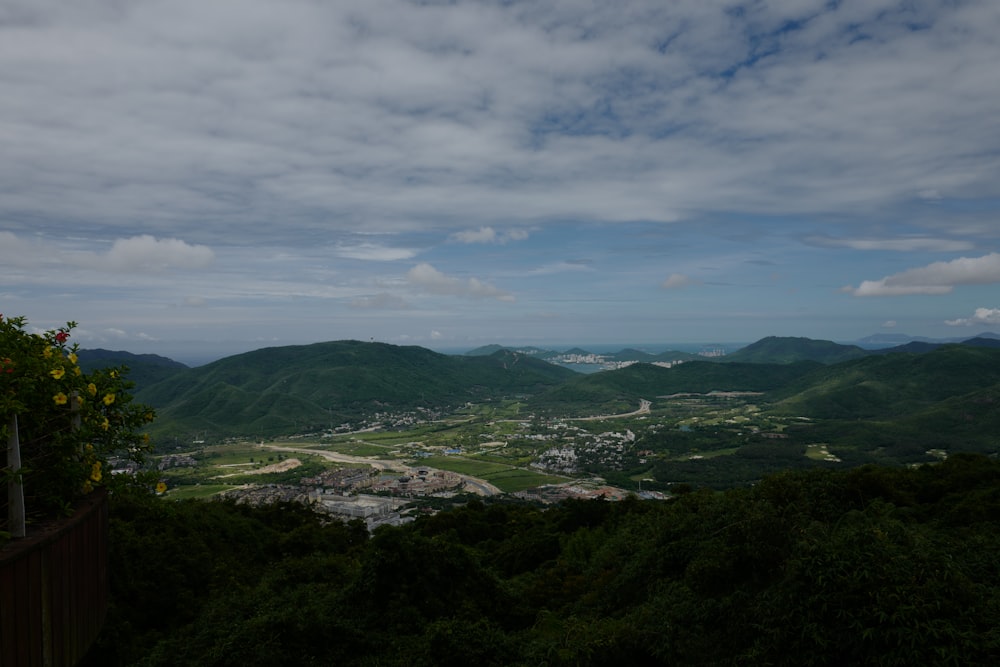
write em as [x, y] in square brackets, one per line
[300, 388]
[783, 350]
[616, 391]
[143, 369]
[877, 566]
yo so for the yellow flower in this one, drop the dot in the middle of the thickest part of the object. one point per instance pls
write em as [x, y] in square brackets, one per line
[57, 373]
[60, 398]
[47, 353]
[87, 487]
[113, 374]
[105, 424]
[95, 471]
[72, 357]
[76, 371]
[161, 487]
[92, 389]
[109, 399]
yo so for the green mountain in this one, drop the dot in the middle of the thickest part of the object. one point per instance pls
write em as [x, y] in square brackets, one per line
[784, 350]
[621, 390]
[143, 369]
[888, 386]
[485, 350]
[878, 398]
[531, 351]
[311, 387]
[920, 346]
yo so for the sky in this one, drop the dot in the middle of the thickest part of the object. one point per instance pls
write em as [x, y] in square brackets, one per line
[200, 178]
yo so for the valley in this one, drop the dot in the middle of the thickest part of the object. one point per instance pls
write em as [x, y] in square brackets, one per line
[509, 423]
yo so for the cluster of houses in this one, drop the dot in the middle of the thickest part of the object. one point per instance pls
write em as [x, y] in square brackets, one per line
[389, 421]
[176, 461]
[606, 449]
[422, 482]
[345, 480]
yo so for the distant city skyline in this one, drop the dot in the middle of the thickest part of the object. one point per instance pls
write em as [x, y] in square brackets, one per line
[201, 179]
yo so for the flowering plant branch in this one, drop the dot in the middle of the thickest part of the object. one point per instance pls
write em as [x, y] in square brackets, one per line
[69, 422]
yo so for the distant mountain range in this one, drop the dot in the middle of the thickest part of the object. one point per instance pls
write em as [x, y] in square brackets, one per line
[888, 340]
[772, 349]
[577, 355]
[294, 389]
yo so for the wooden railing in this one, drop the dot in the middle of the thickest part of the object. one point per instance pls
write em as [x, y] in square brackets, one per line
[54, 589]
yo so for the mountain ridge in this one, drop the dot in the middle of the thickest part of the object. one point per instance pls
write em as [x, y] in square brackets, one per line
[306, 388]
[284, 389]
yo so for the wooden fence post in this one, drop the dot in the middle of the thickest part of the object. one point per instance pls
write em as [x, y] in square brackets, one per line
[15, 492]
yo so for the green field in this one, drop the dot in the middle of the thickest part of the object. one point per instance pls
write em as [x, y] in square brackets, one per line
[510, 481]
[504, 477]
[464, 466]
[351, 447]
[198, 492]
[220, 455]
[708, 454]
[387, 439]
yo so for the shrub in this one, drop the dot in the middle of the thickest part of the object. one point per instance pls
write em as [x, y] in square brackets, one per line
[69, 423]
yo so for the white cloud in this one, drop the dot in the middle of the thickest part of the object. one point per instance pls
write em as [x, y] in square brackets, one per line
[981, 316]
[374, 252]
[561, 267]
[381, 301]
[936, 278]
[425, 277]
[147, 253]
[889, 324]
[489, 235]
[901, 244]
[678, 281]
[481, 235]
[137, 254]
[16, 252]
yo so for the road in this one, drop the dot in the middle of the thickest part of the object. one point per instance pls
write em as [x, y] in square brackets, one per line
[643, 410]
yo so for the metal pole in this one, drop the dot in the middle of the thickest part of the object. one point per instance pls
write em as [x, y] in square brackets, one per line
[15, 491]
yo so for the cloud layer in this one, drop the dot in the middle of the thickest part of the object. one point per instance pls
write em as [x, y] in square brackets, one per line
[394, 113]
[498, 168]
[937, 278]
[426, 278]
[982, 316]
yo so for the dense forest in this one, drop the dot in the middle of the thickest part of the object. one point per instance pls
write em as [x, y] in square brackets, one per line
[874, 565]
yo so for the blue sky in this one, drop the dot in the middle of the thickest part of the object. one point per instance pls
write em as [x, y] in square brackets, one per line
[203, 178]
